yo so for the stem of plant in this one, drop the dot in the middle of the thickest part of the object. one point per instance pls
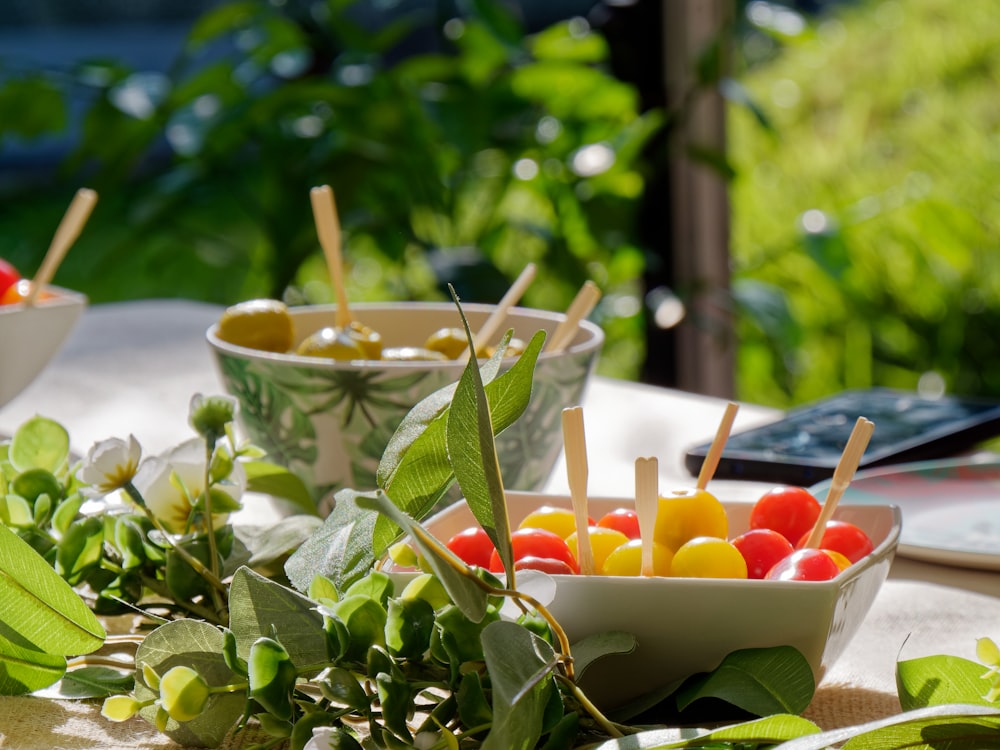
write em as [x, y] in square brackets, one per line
[194, 562]
[606, 724]
[514, 594]
[213, 553]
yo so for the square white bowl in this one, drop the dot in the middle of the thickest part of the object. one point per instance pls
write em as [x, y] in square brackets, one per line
[688, 625]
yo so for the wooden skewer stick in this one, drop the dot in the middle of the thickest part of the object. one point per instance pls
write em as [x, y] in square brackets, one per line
[328, 228]
[646, 502]
[511, 298]
[66, 233]
[711, 462]
[842, 476]
[575, 445]
[578, 309]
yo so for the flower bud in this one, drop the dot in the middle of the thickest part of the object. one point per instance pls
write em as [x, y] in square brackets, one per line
[120, 708]
[211, 414]
[183, 693]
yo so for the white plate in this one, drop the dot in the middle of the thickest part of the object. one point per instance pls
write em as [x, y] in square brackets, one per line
[951, 508]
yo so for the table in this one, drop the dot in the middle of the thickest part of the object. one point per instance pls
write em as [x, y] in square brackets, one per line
[132, 368]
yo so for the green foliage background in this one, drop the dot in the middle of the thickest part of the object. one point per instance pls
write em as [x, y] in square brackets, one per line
[883, 141]
[864, 207]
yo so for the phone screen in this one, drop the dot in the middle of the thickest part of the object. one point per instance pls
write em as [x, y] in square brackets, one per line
[805, 446]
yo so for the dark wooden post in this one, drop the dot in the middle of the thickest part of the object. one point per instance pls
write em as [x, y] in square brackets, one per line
[698, 199]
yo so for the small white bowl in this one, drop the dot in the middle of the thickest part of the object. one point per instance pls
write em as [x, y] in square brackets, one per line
[688, 625]
[330, 420]
[31, 336]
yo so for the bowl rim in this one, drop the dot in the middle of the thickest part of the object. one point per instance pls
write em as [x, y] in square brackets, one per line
[64, 298]
[593, 343]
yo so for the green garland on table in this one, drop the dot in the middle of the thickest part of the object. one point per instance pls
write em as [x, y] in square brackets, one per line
[340, 659]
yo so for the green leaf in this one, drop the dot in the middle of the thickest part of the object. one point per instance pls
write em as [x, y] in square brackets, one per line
[277, 481]
[88, 682]
[80, 550]
[414, 471]
[31, 484]
[342, 548]
[473, 454]
[365, 620]
[771, 730]
[200, 646]
[520, 666]
[473, 706]
[24, 669]
[259, 607]
[956, 727]
[39, 443]
[275, 542]
[940, 680]
[590, 649]
[38, 608]
[762, 681]
[396, 700]
[15, 512]
[341, 687]
[464, 592]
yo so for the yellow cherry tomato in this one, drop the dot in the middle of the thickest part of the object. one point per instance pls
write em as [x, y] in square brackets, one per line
[602, 541]
[686, 513]
[559, 521]
[842, 560]
[708, 557]
[626, 560]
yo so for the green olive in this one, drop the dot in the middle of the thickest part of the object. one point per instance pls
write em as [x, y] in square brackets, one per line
[332, 343]
[451, 342]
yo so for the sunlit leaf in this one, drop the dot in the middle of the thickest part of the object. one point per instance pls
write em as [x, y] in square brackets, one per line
[271, 479]
[957, 727]
[39, 443]
[768, 731]
[24, 669]
[940, 680]
[38, 608]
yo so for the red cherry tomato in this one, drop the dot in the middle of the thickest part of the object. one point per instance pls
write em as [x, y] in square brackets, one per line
[625, 520]
[804, 565]
[473, 546]
[762, 549]
[843, 537]
[19, 292]
[8, 276]
[544, 564]
[791, 511]
[536, 543]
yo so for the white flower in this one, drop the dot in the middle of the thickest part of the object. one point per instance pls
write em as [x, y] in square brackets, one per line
[172, 482]
[110, 465]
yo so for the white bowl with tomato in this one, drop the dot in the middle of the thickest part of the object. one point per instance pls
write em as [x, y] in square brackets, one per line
[685, 623]
[31, 335]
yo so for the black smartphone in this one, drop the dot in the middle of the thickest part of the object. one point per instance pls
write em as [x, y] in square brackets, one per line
[805, 445]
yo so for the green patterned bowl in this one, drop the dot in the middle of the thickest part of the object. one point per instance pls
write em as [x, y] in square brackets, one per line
[329, 421]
